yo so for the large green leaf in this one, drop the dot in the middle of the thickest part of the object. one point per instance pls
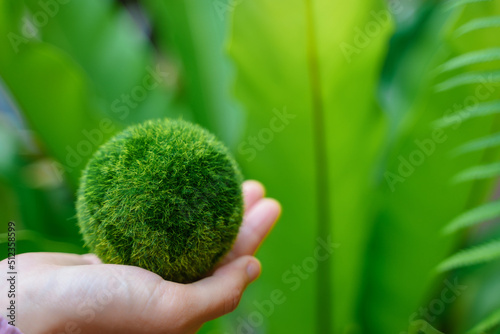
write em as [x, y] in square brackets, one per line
[308, 83]
[58, 112]
[32, 194]
[114, 53]
[193, 33]
[101, 70]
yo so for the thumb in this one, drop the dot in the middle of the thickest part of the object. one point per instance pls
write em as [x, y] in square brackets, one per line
[220, 293]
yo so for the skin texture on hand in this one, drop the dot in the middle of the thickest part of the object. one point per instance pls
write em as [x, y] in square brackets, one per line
[68, 293]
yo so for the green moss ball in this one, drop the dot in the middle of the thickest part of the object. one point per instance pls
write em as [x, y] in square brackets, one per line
[165, 196]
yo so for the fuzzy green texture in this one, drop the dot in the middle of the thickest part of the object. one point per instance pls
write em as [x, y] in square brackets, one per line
[165, 196]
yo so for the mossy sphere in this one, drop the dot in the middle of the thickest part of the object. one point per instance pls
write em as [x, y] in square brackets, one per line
[164, 196]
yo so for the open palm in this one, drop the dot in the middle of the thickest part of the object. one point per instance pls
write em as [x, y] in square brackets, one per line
[69, 293]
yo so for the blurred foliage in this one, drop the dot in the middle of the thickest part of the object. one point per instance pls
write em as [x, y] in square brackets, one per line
[360, 117]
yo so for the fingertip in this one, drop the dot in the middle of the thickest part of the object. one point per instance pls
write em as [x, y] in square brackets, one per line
[253, 191]
[275, 205]
[254, 268]
[254, 185]
[267, 207]
[246, 264]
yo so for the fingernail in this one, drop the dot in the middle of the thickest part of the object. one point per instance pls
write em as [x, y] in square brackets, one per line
[253, 270]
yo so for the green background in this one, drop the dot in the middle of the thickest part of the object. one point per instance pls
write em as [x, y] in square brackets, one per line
[342, 109]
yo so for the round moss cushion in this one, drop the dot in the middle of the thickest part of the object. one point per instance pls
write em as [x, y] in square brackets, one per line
[165, 196]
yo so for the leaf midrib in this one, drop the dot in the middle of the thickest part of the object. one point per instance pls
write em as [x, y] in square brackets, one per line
[323, 293]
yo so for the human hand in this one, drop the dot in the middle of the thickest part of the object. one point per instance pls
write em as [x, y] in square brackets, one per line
[69, 293]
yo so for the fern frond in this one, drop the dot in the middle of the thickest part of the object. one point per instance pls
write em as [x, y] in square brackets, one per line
[480, 110]
[492, 322]
[478, 173]
[478, 144]
[456, 3]
[474, 216]
[475, 255]
[477, 24]
[489, 251]
[471, 58]
[484, 77]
